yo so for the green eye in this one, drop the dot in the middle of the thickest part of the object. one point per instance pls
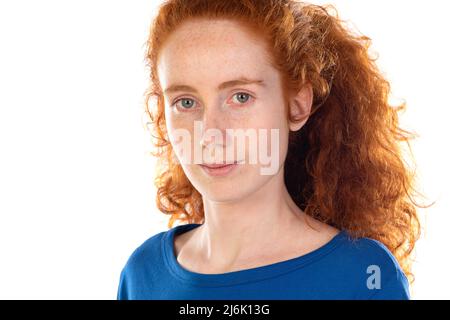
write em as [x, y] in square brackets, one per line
[186, 103]
[242, 97]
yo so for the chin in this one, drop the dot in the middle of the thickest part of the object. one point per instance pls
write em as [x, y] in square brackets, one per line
[221, 196]
[237, 185]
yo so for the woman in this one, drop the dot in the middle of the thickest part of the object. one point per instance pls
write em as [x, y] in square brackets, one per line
[327, 213]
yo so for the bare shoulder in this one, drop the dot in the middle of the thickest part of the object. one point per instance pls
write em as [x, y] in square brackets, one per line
[318, 233]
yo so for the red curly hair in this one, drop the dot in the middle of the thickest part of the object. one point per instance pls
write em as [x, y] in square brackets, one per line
[345, 166]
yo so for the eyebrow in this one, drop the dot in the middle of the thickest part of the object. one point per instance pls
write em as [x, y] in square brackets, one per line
[224, 85]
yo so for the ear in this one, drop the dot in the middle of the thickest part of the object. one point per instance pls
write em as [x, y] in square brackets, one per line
[300, 107]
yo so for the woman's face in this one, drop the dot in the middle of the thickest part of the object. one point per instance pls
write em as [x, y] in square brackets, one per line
[197, 68]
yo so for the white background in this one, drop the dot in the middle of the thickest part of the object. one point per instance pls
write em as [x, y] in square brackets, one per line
[76, 188]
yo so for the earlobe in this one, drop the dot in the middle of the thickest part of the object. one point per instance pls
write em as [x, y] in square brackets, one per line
[300, 107]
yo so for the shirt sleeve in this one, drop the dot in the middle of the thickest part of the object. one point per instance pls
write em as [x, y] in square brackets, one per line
[396, 288]
[122, 292]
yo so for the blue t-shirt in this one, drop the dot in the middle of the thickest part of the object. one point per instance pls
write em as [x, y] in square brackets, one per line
[343, 268]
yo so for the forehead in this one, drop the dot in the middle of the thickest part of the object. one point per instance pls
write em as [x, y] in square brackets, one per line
[212, 50]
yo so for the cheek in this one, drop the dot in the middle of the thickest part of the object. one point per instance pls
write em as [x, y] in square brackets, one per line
[180, 136]
[272, 121]
[176, 123]
[276, 133]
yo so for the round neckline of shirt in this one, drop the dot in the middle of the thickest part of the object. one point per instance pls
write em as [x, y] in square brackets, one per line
[239, 276]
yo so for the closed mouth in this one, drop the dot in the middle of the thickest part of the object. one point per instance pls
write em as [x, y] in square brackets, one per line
[218, 165]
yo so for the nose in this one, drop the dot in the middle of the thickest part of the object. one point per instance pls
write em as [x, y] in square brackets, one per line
[213, 128]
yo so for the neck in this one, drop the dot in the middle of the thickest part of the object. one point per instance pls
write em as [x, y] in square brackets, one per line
[236, 231]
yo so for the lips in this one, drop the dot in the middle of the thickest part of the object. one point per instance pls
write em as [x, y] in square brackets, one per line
[219, 165]
[219, 169]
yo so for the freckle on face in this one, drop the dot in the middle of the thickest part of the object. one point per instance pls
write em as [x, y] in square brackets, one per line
[196, 55]
[202, 53]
